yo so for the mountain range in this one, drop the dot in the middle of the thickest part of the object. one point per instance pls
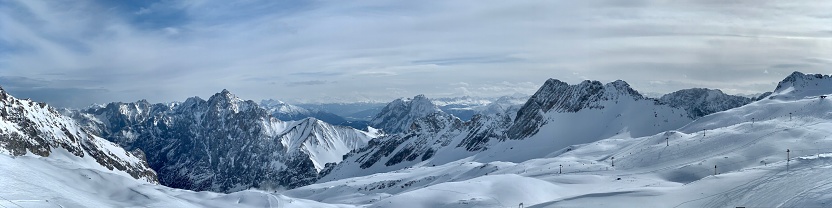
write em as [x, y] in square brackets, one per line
[222, 144]
[583, 144]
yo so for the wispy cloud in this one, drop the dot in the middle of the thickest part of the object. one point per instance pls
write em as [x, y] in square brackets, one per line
[316, 74]
[306, 83]
[170, 50]
[469, 60]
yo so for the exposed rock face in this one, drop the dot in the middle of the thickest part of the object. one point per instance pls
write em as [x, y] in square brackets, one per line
[32, 127]
[223, 144]
[439, 138]
[483, 129]
[433, 130]
[397, 116]
[799, 85]
[700, 102]
[559, 96]
[761, 96]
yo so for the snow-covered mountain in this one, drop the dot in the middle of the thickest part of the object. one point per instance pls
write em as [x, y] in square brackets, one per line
[224, 143]
[506, 104]
[741, 160]
[284, 111]
[358, 111]
[595, 145]
[799, 86]
[616, 108]
[288, 112]
[700, 102]
[557, 116]
[397, 116]
[63, 180]
[466, 107]
[32, 128]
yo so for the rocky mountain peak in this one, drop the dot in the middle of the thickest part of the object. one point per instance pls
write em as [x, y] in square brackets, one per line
[558, 96]
[397, 116]
[226, 100]
[28, 127]
[620, 87]
[799, 81]
[224, 95]
[225, 144]
[699, 102]
[562, 97]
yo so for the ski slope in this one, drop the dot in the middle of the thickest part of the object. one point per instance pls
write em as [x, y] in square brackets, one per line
[774, 152]
[62, 180]
[669, 169]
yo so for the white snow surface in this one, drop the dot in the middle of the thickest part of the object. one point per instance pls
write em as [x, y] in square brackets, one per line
[735, 158]
[54, 132]
[277, 106]
[63, 180]
[624, 117]
[325, 143]
[649, 171]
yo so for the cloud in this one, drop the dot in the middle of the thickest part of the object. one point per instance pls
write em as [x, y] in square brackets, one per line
[142, 11]
[460, 84]
[171, 50]
[316, 74]
[21, 82]
[377, 73]
[468, 60]
[63, 97]
[306, 83]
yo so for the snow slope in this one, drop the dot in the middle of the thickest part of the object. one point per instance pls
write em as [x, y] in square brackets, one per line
[28, 127]
[734, 158]
[63, 180]
[672, 168]
[558, 116]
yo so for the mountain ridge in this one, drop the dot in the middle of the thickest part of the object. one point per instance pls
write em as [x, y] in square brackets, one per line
[223, 144]
[28, 127]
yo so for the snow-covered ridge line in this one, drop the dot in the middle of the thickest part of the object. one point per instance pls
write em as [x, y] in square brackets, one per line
[557, 109]
[28, 127]
[223, 144]
[397, 116]
[741, 161]
[799, 85]
[560, 97]
[700, 102]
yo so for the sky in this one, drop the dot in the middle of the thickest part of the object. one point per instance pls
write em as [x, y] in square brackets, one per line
[74, 53]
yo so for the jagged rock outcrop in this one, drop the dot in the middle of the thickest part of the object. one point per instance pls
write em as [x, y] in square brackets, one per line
[223, 144]
[397, 116]
[761, 96]
[799, 85]
[31, 127]
[610, 109]
[558, 96]
[699, 102]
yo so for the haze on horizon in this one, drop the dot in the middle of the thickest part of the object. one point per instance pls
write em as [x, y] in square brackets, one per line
[75, 53]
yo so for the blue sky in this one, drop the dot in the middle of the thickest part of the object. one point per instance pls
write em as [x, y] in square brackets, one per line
[74, 53]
